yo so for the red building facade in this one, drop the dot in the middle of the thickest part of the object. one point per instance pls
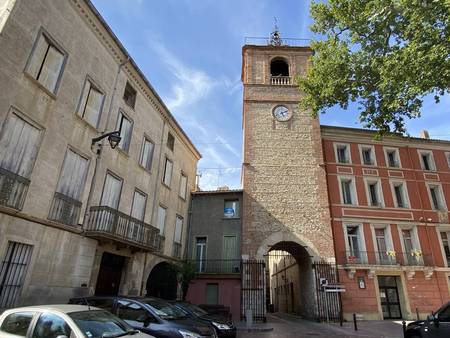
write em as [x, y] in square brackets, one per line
[389, 202]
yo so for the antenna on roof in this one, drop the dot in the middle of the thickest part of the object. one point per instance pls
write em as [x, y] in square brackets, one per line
[275, 38]
[87, 303]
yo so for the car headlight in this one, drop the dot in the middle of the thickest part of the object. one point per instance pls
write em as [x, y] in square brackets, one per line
[189, 334]
[221, 326]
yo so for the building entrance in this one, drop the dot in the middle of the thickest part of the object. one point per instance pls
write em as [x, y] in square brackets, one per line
[389, 297]
[162, 281]
[109, 275]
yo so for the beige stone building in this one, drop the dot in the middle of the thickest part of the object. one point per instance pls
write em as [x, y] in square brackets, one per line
[77, 218]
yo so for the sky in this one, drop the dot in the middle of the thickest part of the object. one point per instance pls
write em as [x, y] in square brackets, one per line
[190, 51]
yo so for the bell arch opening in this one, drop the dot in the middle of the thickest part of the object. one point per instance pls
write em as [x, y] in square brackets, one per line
[279, 67]
[162, 281]
[290, 279]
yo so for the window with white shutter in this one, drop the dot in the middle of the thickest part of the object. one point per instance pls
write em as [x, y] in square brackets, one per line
[91, 103]
[168, 166]
[111, 191]
[161, 221]
[183, 186]
[146, 159]
[46, 62]
[125, 127]
[138, 207]
[178, 229]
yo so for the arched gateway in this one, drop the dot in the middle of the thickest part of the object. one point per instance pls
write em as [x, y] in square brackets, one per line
[285, 214]
[162, 281]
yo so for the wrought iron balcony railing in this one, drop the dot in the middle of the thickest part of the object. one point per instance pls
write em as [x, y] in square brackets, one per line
[216, 266]
[413, 258]
[109, 223]
[176, 250]
[13, 189]
[280, 80]
[65, 209]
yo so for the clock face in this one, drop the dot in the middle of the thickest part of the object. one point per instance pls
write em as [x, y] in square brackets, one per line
[282, 113]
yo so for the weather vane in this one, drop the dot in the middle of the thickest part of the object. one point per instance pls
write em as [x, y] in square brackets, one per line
[275, 39]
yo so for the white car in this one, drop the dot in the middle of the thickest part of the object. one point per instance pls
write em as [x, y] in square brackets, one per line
[64, 321]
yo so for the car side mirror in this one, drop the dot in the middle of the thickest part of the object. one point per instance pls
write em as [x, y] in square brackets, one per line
[434, 318]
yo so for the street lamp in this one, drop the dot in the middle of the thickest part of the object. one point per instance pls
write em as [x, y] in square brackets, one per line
[113, 138]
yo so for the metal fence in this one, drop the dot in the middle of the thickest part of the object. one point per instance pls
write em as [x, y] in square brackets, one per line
[65, 209]
[253, 289]
[328, 303]
[226, 266]
[412, 258]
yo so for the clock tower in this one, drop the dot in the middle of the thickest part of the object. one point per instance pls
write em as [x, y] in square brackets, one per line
[284, 181]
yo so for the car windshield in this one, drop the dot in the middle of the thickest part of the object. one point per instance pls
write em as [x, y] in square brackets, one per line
[198, 311]
[165, 310]
[100, 324]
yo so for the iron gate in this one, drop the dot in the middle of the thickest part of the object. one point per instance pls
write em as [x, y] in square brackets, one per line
[328, 303]
[253, 293]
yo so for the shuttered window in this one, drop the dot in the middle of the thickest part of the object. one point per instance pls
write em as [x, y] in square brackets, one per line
[183, 186]
[111, 191]
[230, 247]
[161, 222]
[13, 269]
[168, 166]
[139, 203]
[178, 229]
[146, 159]
[125, 127]
[46, 63]
[73, 175]
[91, 104]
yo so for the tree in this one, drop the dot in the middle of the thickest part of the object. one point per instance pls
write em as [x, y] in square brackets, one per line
[187, 273]
[386, 55]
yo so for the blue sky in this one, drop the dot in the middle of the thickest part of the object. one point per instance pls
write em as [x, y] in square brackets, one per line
[190, 50]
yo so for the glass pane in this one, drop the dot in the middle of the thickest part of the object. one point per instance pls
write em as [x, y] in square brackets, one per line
[51, 326]
[17, 323]
[392, 295]
[51, 69]
[395, 311]
[385, 311]
[387, 281]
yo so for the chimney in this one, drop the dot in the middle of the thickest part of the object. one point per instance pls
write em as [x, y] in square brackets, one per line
[424, 134]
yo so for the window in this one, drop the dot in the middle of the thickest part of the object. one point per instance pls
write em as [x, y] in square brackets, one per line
[411, 247]
[167, 178]
[353, 239]
[368, 155]
[13, 269]
[91, 103]
[347, 191]
[17, 323]
[407, 240]
[231, 209]
[342, 153]
[200, 253]
[161, 221]
[46, 62]
[382, 247]
[19, 145]
[178, 229]
[170, 141]
[139, 204]
[212, 293]
[374, 193]
[183, 186]
[129, 95]
[279, 67]
[230, 255]
[132, 313]
[66, 204]
[51, 326]
[427, 160]
[400, 196]
[392, 158]
[125, 127]
[446, 245]
[437, 199]
[146, 158]
[111, 191]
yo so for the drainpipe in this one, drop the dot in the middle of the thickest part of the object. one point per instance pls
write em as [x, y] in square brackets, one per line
[188, 237]
[98, 151]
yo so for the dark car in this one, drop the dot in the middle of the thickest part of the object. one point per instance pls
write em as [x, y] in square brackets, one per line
[437, 325]
[150, 315]
[223, 326]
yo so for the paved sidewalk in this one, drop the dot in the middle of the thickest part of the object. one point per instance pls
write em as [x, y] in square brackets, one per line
[290, 326]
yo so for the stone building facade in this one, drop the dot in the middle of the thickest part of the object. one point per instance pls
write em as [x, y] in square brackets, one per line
[77, 218]
[214, 248]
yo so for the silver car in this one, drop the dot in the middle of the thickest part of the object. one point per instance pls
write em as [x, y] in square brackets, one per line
[64, 321]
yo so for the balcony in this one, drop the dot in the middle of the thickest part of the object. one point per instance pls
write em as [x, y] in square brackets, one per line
[176, 250]
[217, 266]
[13, 189]
[65, 210]
[280, 80]
[107, 223]
[415, 258]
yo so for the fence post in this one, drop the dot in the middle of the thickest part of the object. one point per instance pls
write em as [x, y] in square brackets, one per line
[404, 328]
[417, 313]
[354, 322]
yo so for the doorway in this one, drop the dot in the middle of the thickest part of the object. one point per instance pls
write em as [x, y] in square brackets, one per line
[389, 297]
[109, 275]
[162, 282]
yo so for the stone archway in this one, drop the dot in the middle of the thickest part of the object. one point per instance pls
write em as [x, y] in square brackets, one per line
[162, 281]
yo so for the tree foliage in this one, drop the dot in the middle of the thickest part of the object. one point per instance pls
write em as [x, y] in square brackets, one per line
[186, 272]
[386, 55]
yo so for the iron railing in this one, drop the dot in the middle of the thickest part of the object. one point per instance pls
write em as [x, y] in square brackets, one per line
[280, 80]
[217, 265]
[264, 41]
[13, 189]
[65, 209]
[176, 250]
[113, 224]
[413, 258]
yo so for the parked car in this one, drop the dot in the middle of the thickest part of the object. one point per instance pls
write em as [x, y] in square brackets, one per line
[63, 321]
[151, 315]
[223, 326]
[437, 325]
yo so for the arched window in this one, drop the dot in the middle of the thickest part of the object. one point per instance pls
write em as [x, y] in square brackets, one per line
[279, 67]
